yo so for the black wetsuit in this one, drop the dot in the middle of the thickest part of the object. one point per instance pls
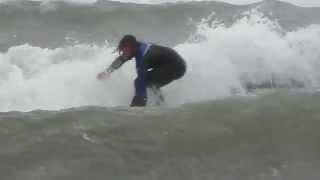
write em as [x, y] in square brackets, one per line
[156, 66]
[163, 66]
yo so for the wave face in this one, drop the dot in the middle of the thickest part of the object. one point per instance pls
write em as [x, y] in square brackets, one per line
[223, 60]
[270, 137]
[248, 107]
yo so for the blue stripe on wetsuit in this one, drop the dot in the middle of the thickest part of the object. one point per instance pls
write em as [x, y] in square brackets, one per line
[140, 82]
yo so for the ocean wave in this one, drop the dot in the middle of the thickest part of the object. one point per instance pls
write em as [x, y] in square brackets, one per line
[252, 53]
[56, 24]
[271, 137]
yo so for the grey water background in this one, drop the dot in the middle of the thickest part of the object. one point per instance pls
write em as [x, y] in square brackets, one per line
[272, 136]
[55, 24]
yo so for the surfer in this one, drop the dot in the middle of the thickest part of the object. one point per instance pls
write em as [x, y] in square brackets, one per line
[156, 67]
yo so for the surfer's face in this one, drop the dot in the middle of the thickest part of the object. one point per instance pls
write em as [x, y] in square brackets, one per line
[128, 51]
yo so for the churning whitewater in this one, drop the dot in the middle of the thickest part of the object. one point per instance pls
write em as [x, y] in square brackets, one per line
[222, 60]
[247, 108]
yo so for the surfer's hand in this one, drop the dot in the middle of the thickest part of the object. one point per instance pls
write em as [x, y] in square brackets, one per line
[102, 75]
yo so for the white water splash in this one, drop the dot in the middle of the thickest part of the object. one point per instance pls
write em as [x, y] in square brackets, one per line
[251, 50]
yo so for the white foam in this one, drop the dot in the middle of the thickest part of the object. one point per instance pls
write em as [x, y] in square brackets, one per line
[35, 78]
[252, 50]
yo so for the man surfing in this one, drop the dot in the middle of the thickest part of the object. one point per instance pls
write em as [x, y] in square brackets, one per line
[156, 67]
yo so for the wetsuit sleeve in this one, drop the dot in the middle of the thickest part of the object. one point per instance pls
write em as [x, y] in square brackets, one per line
[116, 64]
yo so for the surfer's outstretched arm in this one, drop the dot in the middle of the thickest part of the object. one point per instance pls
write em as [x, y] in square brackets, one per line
[117, 63]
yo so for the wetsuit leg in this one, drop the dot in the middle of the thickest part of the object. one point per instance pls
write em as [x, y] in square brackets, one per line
[158, 94]
[163, 75]
[138, 100]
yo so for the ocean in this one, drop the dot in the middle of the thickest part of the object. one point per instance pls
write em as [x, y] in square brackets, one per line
[247, 108]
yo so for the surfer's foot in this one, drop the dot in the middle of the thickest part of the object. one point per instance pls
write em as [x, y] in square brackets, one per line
[158, 94]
